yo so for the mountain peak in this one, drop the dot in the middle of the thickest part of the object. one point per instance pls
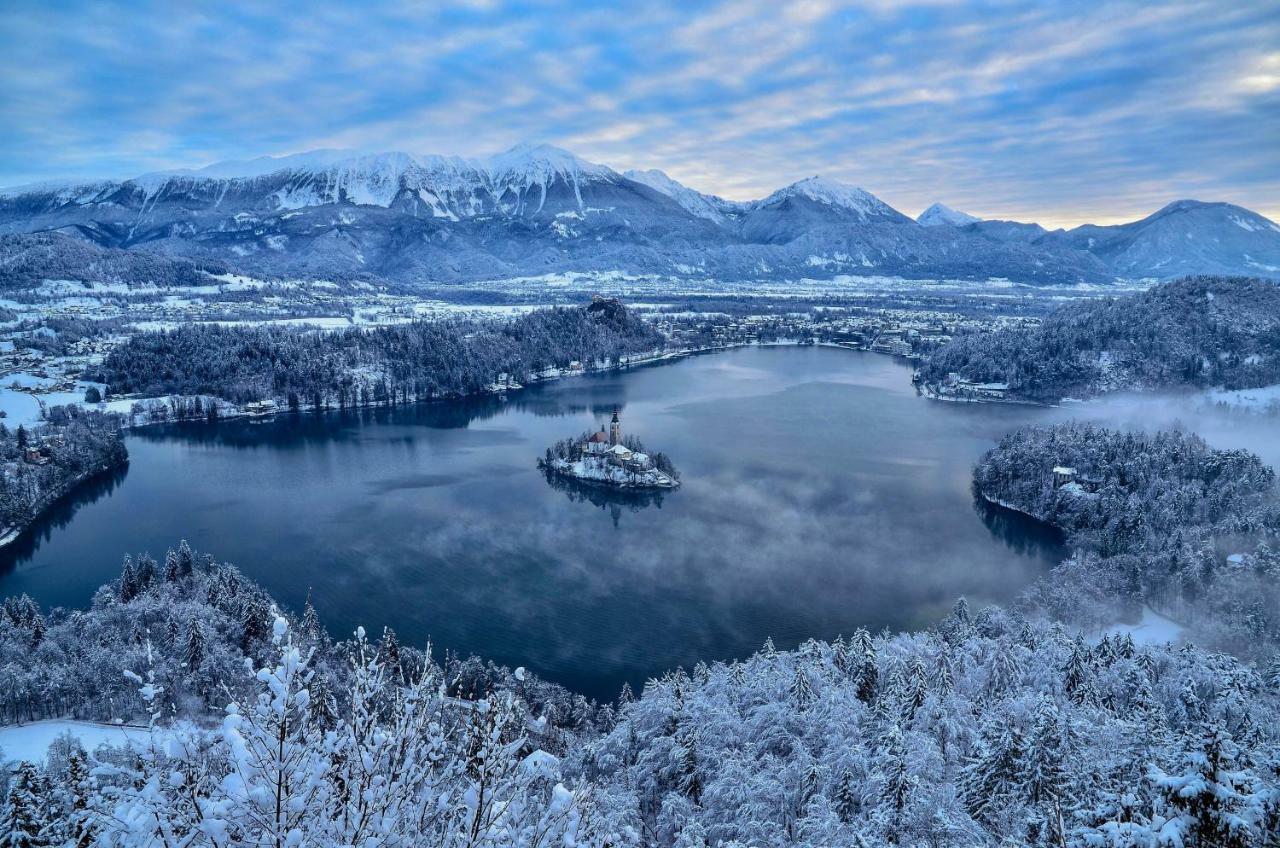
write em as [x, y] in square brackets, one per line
[834, 193]
[540, 161]
[941, 214]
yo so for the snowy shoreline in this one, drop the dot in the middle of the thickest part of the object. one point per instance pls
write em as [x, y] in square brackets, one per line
[928, 391]
[623, 480]
[1005, 505]
[228, 411]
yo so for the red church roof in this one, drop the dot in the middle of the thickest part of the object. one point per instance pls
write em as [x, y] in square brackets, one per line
[597, 437]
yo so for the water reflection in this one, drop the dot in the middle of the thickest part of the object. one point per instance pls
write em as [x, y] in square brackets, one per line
[608, 499]
[58, 516]
[302, 428]
[1019, 531]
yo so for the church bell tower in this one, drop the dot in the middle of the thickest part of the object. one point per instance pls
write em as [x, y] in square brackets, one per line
[615, 429]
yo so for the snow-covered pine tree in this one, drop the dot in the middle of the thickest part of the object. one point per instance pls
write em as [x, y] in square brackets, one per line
[186, 559]
[801, 690]
[993, 777]
[1077, 674]
[896, 783]
[1005, 668]
[80, 828]
[1215, 800]
[127, 589]
[193, 647]
[172, 573]
[25, 813]
[1045, 777]
[863, 653]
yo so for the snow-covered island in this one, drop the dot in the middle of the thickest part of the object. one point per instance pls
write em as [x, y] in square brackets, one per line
[606, 457]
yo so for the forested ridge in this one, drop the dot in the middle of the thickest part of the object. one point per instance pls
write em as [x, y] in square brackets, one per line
[1154, 522]
[27, 260]
[1196, 332]
[361, 367]
[986, 730]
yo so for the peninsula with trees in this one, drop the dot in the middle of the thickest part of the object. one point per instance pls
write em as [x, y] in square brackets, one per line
[607, 458]
[41, 464]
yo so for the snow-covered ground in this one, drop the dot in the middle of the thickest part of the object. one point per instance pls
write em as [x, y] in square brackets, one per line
[595, 469]
[31, 742]
[1152, 629]
[19, 408]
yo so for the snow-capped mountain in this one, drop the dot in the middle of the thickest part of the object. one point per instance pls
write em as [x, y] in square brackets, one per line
[1185, 237]
[537, 209]
[832, 194]
[814, 204]
[940, 214]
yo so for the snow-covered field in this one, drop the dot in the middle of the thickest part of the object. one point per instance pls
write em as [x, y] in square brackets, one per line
[19, 408]
[661, 287]
[1152, 629]
[31, 742]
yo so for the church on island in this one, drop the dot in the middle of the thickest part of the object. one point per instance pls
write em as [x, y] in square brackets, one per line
[603, 457]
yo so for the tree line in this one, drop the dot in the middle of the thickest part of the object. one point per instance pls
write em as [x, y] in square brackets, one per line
[366, 367]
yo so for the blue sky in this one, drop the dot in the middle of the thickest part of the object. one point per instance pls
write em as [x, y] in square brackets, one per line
[1057, 112]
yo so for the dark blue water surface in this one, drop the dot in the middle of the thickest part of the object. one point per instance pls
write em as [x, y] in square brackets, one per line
[820, 495]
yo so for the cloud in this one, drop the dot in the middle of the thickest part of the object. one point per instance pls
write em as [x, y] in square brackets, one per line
[1054, 111]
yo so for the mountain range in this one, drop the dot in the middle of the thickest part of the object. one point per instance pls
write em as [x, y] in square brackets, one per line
[537, 209]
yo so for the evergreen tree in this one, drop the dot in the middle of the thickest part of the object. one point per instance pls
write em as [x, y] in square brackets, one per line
[128, 588]
[186, 559]
[1005, 669]
[25, 817]
[1077, 673]
[801, 691]
[847, 802]
[1215, 800]
[389, 651]
[689, 775]
[80, 828]
[193, 649]
[897, 783]
[866, 669]
[1044, 770]
[172, 570]
[994, 776]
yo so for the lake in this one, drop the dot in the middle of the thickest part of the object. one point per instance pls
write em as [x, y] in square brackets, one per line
[820, 495]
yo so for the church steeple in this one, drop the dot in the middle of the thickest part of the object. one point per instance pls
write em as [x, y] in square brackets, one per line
[615, 429]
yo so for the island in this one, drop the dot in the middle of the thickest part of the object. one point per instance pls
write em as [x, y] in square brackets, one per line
[609, 459]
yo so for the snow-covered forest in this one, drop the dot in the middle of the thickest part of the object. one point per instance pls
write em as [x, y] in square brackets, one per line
[359, 367]
[41, 464]
[1156, 519]
[988, 729]
[1195, 332]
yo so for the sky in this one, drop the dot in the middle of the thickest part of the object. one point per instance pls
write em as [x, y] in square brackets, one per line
[1062, 113]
